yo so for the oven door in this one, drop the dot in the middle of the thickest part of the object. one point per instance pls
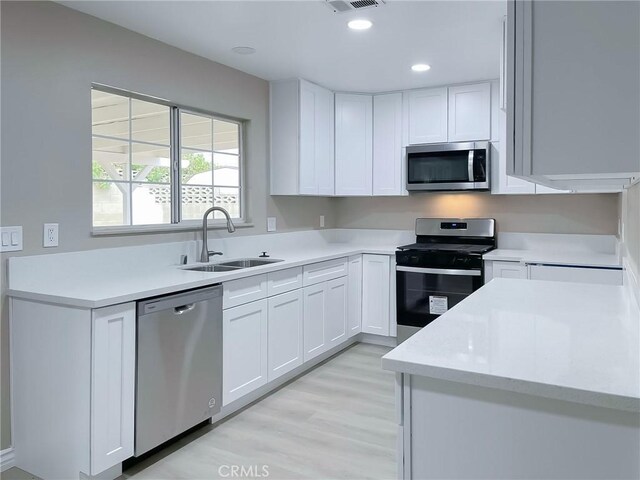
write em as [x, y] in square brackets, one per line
[460, 166]
[423, 294]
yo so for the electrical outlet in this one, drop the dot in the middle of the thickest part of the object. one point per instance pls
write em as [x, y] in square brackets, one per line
[50, 235]
[321, 221]
[271, 224]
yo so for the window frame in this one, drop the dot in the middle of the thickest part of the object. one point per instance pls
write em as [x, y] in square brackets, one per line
[175, 147]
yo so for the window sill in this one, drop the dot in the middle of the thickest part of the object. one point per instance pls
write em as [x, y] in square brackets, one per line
[150, 229]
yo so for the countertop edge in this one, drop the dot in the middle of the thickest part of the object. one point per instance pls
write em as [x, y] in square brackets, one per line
[527, 387]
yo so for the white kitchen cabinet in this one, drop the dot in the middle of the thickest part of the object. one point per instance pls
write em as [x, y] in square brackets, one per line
[314, 320]
[353, 144]
[502, 102]
[506, 270]
[244, 290]
[426, 113]
[594, 109]
[388, 155]
[244, 332]
[376, 289]
[469, 113]
[285, 334]
[337, 311]
[113, 366]
[355, 295]
[561, 273]
[302, 138]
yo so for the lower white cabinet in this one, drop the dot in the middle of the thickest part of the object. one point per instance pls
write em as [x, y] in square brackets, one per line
[284, 332]
[376, 288]
[509, 270]
[354, 322]
[325, 316]
[113, 365]
[558, 273]
[244, 349]
[336, 308]
[603, 276]
[314, 319]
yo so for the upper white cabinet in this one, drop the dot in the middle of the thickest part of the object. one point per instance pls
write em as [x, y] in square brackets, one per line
[376, 292]
[427, 115]
[388, 155]
[572, 95]
[113, 364]
[469, 113]
[302, 138]
[353, 144]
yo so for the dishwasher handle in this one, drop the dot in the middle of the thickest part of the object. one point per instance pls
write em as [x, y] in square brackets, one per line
[184, 308]
[180, 302]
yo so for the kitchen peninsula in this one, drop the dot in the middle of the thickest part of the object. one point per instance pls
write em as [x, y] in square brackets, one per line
[523, 379]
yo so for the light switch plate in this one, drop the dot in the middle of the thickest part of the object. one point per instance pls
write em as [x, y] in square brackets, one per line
[11, 239]
[321, 221]
[271, 224]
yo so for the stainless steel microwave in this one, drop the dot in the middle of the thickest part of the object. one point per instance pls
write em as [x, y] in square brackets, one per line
[448, 166]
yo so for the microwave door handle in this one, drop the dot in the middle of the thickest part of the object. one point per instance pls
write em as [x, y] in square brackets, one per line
[470, 166]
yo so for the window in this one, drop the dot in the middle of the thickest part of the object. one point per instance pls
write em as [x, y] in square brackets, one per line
[137, 141]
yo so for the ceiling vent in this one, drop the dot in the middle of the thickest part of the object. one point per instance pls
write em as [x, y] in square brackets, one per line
[341, 6]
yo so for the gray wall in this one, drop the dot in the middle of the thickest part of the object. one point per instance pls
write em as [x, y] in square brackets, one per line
[50, 56]
[593, 213]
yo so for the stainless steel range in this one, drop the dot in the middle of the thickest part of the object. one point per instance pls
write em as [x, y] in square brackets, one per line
[442, 268]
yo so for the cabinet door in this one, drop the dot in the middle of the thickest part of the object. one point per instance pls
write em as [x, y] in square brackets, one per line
[113, 365]
[376, 287]
[470, 112]
[324, 144]
[314, 320]
[336, 309]
[244, 333]
[509, 270]
[354, 323]
[387, 145]
[354, 144]
[285, 344]
[501, 182]
[308, 183]
[427, 115]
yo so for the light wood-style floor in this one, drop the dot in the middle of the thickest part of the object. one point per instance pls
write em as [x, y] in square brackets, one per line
[335, 422]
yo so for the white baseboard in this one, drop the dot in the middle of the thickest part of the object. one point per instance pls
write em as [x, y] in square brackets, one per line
[7, 459]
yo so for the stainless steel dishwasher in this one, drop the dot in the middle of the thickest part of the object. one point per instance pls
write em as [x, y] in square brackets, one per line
[179, 364]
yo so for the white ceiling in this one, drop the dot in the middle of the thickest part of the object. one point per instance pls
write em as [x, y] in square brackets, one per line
[304, 38]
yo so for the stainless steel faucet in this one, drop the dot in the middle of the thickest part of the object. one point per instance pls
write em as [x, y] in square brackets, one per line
[204, 256]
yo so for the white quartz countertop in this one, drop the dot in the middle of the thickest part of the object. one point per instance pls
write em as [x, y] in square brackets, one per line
[566, 341]
[93, 288]
[583, 259]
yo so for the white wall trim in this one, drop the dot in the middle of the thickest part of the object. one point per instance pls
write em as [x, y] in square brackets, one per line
[7, 459]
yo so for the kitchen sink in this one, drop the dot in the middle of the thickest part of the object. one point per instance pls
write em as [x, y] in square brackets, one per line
[234, 265]
[249, 262]
[213, 268]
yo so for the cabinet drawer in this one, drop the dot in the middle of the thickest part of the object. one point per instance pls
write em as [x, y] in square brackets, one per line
[244, 290]
[284, 281]
[321, 271]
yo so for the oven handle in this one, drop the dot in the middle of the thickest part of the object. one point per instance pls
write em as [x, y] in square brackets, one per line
[440, 271]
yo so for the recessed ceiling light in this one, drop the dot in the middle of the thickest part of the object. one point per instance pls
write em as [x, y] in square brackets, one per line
[243, 50]
[420, 67]
[359, 24]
